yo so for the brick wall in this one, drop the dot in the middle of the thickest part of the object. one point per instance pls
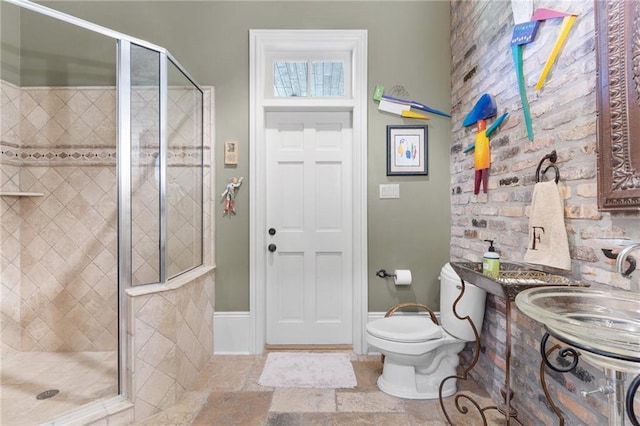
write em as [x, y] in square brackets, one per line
[564, 119]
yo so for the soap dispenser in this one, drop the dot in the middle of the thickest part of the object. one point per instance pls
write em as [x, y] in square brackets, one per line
[491, 261]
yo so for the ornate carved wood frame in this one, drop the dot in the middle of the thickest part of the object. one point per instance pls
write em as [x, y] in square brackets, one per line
[618, 98]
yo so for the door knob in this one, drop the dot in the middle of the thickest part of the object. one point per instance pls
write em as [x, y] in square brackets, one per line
[272, 231]
[272, 248]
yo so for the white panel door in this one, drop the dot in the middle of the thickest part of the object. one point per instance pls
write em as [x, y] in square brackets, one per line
[309, 213]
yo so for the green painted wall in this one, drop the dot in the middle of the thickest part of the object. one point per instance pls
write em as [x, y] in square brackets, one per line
[55, 53]
[408, 46]
[10, 43]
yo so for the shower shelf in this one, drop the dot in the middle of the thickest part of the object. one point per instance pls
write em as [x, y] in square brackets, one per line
[21, 194]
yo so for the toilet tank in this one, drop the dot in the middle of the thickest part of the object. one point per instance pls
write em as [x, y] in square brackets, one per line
[471, 304]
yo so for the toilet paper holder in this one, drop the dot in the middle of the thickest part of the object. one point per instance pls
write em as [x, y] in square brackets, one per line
[400, 276]
[382, 273]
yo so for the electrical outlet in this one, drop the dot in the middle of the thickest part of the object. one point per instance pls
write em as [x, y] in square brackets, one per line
[389, 190]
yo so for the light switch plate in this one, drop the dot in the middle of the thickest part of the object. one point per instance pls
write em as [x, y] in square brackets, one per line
[389, 190]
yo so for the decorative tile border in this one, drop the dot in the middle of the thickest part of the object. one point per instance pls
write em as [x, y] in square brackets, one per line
[37, 156]
[97, 156]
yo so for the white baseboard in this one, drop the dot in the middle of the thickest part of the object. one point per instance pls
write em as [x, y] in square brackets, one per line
[377, 315]
[371, 316]
[232, 331]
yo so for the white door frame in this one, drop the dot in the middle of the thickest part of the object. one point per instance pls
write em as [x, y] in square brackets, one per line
[261, 43]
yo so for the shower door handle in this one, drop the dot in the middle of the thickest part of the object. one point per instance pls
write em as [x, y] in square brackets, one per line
[272, 247]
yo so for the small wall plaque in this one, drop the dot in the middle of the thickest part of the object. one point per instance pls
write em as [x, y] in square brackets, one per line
[231, 153]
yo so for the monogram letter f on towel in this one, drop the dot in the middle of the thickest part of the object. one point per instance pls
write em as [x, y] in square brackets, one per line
[547, 244]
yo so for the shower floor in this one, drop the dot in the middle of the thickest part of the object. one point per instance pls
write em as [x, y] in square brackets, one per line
[81, 378]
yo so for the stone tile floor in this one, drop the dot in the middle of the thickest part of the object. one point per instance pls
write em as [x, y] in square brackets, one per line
[227, 393]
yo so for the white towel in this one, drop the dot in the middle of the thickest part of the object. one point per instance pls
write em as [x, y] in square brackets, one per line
[548, 244]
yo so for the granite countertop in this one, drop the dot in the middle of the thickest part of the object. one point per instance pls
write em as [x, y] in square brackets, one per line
[513, 278]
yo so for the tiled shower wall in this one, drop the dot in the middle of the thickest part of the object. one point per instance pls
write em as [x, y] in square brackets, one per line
[10, 223]
[59, 260]
[59, 249]
[564, 119]
[170, 341]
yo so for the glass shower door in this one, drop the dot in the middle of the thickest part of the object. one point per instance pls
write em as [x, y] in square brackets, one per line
[184, 173]
[145, 166]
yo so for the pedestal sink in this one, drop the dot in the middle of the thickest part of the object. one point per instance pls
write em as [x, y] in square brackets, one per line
[604, 325]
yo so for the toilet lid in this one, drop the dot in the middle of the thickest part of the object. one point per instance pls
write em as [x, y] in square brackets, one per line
[405, 328]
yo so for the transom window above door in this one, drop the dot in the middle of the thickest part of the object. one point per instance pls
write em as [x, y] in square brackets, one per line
[318, 78]
[308, 74]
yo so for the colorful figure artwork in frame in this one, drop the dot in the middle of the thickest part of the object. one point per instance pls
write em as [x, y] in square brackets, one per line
[406, 150]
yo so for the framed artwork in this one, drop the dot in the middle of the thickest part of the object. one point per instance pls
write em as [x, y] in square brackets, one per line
[231, 153]
[618, 103]
[407, 150]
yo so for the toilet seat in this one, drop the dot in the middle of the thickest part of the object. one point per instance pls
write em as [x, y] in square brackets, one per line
[405, 329]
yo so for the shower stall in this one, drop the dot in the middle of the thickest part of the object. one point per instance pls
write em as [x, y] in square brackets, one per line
[106, 256]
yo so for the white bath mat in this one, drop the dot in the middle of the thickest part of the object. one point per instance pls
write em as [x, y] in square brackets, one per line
[308, 370]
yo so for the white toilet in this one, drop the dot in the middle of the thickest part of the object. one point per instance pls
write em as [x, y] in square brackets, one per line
[420, 354]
